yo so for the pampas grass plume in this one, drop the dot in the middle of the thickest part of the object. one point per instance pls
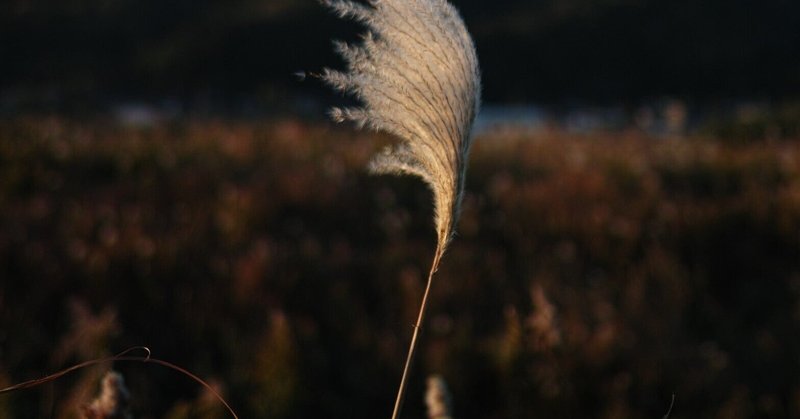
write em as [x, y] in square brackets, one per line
[438, 399]
[113, 400]
[416, 75]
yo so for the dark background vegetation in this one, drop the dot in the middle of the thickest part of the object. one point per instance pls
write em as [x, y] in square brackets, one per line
[70, 53]
[595, 273]
[593, 276]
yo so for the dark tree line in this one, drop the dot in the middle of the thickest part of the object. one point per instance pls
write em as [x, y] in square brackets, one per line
[608, 51]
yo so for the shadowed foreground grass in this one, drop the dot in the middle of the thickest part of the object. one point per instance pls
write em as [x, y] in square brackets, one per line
[592, 276]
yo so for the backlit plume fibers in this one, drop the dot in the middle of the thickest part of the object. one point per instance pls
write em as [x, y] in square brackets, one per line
[416, 74]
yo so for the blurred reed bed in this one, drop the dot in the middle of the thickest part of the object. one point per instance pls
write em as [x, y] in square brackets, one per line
[595, 275]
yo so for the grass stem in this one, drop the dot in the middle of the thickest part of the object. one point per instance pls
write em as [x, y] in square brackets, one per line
[401, 392]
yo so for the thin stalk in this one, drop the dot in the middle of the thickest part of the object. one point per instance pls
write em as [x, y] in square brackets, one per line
[401, 392]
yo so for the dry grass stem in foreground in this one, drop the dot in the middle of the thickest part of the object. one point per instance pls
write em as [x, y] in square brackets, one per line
[416, 74]
[114, 397]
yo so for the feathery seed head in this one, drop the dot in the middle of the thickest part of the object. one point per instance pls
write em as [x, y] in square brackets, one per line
[112, 402]
[416, 73]
[438, 398]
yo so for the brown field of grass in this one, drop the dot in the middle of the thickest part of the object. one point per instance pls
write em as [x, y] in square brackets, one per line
[592, 275]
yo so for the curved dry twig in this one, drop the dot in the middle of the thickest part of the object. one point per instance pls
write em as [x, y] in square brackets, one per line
[122, 356]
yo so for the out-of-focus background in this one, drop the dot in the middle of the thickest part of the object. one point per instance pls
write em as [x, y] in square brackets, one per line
[631, 228]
